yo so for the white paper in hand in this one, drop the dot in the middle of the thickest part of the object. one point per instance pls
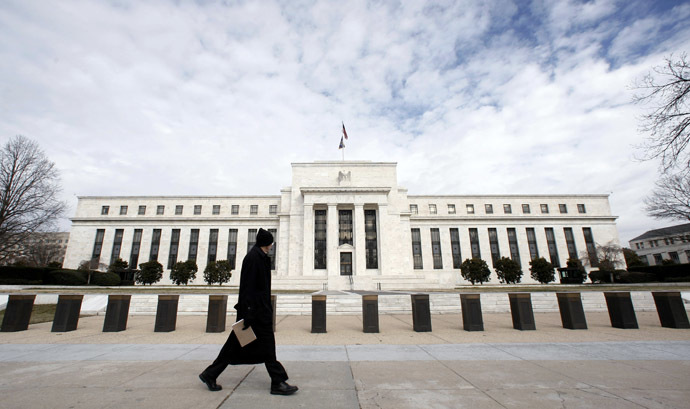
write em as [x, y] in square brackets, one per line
[245, 336]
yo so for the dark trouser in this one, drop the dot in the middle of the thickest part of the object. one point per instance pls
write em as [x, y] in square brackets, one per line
[275, 369]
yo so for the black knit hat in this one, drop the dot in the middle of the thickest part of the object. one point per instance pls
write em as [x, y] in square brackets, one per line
[264, 238]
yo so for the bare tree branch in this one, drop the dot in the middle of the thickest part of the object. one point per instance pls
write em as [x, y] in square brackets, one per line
[668, 122]
[29, 194]
[671, 198]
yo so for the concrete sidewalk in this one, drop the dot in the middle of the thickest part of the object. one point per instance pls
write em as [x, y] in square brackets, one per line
[398, 368]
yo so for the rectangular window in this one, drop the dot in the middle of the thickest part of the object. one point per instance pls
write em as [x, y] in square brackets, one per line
[232, 247]
[687, 256]
[414, 209]
[470, 209]
[178, 210]
[160, 209]
[215, 210]
[142, 210]
[123, 210]
[273, 209]
[254, 209]
[658, 260]
[97, 247]
[193, 244]
[493, 243]
[371, 239]
[474, 243]
[235, 209]
[581, 208]
[436, 248]
[591, 247]
[212, 245]
[417, 249]
[117, 245]
[155, 245]
[488, 208]
[553, 250]
[345, 227]
[525, 209]
[532, 243]
[346, 264]
[432, 209]
[455, 247]
[544, 208]
[105, 210]
[251, 239]
[197, 209]
[570, 242]
[513, 244]
[274, 249]
[174, 246]
[136, 245]
[320, 225]
[451, 209]
[674, 256]
[563, 208]
[507, 209]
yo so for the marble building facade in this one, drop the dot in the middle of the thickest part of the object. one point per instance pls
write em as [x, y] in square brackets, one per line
[343, 225]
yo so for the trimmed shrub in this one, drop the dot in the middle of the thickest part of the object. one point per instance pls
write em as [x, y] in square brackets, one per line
[151, 272]
[475, 271]
[628, 277]
[105, 279]
[508, 271]
[23, 275]
[217, 272]
[541, 270]
[67, 277]
[183, 272]
[665, 273]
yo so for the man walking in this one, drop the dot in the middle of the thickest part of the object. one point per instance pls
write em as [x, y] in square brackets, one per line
[254, 306]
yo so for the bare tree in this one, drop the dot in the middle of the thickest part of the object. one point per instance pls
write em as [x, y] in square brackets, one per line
[29, 190]
[40, 252]
[668, 122]
[671, 198]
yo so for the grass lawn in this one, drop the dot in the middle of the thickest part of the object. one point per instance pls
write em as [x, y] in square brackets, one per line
[40, 313]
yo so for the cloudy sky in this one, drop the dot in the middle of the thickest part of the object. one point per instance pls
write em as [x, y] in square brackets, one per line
[218, 98]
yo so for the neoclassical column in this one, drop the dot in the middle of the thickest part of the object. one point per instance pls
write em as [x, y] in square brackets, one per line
[360, 261]
[308, 247]
[382, 233]
[332, 257]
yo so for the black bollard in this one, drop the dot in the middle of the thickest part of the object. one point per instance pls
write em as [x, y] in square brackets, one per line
[421, 313]
[669, 306]
[166, 313]
[18, 312]
[217, 312]
[67, 313]
[621, 311]
[572, 313]
[116, 313]
[370, 313]
[318, 314]
[471, 305]
[521, 310]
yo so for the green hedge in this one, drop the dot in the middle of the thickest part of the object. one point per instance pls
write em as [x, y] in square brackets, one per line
[105, 279]
[23, 275]
[67, 277]
[669, 273]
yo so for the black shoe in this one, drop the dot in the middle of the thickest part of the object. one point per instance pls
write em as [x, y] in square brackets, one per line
[283, 389]
[211, 383]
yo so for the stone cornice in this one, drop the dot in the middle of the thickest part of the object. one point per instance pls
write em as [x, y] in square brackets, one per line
[167, 220]
[505, 219]
[344, 189]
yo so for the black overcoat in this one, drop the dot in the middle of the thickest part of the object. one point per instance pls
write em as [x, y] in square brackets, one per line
[254, 305]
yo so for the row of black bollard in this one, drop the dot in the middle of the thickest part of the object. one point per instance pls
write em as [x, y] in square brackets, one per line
[669, 305]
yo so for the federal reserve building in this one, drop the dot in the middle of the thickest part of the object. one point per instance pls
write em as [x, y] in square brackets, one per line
[343, 225]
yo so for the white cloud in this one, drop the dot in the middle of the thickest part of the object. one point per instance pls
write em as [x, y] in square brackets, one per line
[467, 96]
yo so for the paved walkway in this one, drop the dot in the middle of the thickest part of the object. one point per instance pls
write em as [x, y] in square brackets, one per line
[398, 368]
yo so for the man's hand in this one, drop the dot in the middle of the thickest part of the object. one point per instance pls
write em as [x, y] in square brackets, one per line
[246, 324]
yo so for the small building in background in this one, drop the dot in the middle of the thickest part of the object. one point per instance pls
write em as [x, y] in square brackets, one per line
[41, 249]
[668, 243]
